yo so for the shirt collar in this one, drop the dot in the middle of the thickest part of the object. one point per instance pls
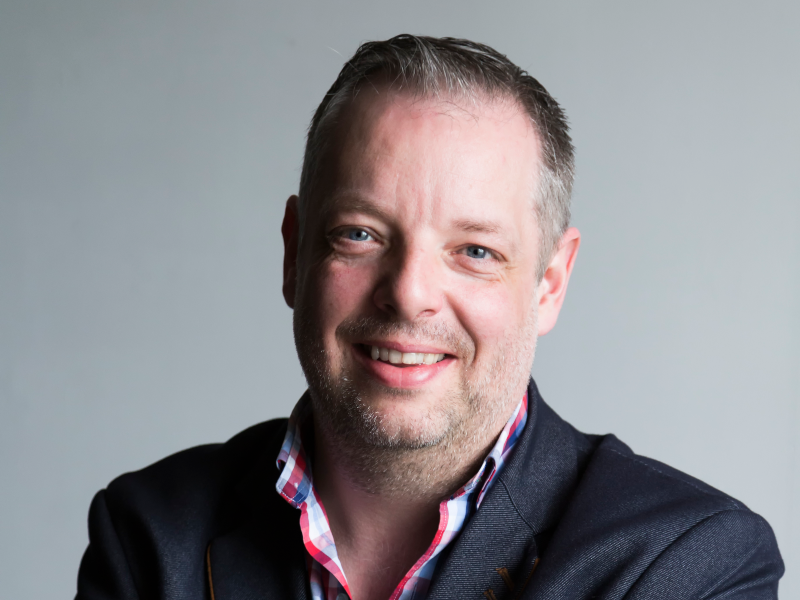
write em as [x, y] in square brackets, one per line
[295, 480]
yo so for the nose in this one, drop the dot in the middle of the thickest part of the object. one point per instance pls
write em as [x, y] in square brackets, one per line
[411, 287]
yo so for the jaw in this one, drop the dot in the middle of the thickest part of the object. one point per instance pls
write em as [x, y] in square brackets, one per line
[371, 402]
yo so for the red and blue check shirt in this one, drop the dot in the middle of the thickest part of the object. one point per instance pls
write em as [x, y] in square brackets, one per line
[296, 485]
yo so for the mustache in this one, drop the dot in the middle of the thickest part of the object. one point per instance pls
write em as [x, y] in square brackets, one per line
[435, 334]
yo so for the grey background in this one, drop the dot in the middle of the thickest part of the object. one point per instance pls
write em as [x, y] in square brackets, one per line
[147, 148]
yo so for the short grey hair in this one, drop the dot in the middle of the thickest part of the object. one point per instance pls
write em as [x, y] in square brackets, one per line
[455, 68]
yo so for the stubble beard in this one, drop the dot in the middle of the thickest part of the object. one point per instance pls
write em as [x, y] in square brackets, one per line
[429, 454]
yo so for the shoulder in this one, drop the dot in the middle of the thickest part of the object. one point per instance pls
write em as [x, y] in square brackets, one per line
[197, 464]
[195, 475]
[185, 498]
[580, 491]
[646, 497]
[148, 521]
[617, 470]
[560, 476]
[657, 522]
[624, 524]
[700, 538]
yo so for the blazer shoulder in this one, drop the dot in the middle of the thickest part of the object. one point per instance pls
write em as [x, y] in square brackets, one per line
[642, 500]
[653, 524]
[195, 479]
[732, 554]
[636, 474]
[148, 521]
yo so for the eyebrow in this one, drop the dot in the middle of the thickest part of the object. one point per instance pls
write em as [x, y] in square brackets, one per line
[477, 226]
[351, 202]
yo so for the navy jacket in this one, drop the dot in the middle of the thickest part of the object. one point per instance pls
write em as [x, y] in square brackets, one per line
[571, 516]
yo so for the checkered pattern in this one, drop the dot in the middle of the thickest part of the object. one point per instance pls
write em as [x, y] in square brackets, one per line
[326, 576]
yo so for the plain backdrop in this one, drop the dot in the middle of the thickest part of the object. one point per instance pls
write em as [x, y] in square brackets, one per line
[146, 152]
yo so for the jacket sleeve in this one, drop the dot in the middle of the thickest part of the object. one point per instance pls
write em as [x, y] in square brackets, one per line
[732, 555]
[104, 572]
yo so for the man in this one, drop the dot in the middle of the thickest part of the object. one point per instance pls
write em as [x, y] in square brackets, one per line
[427, 250]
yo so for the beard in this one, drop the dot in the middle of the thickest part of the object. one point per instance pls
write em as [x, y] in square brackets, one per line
[404, 453]
[342, 399]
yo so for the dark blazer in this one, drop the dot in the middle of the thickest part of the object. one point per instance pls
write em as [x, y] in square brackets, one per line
[571, 516]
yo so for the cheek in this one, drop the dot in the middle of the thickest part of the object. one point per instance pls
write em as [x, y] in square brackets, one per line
[339, 290]
[492, 314]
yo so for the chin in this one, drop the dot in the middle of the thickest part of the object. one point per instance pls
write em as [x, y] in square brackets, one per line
[388, 418]
[409, 433]
[411, 425]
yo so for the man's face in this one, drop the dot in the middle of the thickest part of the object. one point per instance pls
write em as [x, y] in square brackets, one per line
[415, 303]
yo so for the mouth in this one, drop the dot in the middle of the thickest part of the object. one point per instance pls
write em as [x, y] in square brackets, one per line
[401, 359]
[402, 367]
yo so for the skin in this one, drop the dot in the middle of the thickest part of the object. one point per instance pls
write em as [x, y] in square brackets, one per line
[422, 237]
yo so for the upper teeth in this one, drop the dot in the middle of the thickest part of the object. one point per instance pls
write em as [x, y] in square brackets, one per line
[406, 358]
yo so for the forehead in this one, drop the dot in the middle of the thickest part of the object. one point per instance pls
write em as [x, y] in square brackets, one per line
[440, 155]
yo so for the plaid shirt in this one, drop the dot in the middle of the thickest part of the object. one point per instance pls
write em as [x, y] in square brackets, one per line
[327, 579]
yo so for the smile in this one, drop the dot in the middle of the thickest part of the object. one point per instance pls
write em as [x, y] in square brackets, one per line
[397, 369]
[396, 357]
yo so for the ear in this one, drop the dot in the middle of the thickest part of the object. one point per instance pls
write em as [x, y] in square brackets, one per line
[290, 229]
[552, 288]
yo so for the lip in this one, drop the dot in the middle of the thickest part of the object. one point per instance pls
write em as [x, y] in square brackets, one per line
[406, 376]
[404, 347]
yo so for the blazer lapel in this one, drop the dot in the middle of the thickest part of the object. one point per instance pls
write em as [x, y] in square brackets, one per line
[259, 560]
[496, 554]
[492, 555]
[261, 554]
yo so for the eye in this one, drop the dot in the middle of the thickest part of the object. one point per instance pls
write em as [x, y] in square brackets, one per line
[351, 239]
[357, 235]
[478, 252]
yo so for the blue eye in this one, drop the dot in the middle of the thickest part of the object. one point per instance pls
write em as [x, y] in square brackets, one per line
[478, 252]
[358, 235]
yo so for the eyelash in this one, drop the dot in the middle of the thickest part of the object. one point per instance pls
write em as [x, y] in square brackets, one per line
[344, 234]
[489, 253]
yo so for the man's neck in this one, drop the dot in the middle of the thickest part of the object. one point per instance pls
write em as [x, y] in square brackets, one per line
[383, 505]
[379, 537]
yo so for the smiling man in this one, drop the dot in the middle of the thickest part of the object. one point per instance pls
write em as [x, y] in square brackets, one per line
[428, 248]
